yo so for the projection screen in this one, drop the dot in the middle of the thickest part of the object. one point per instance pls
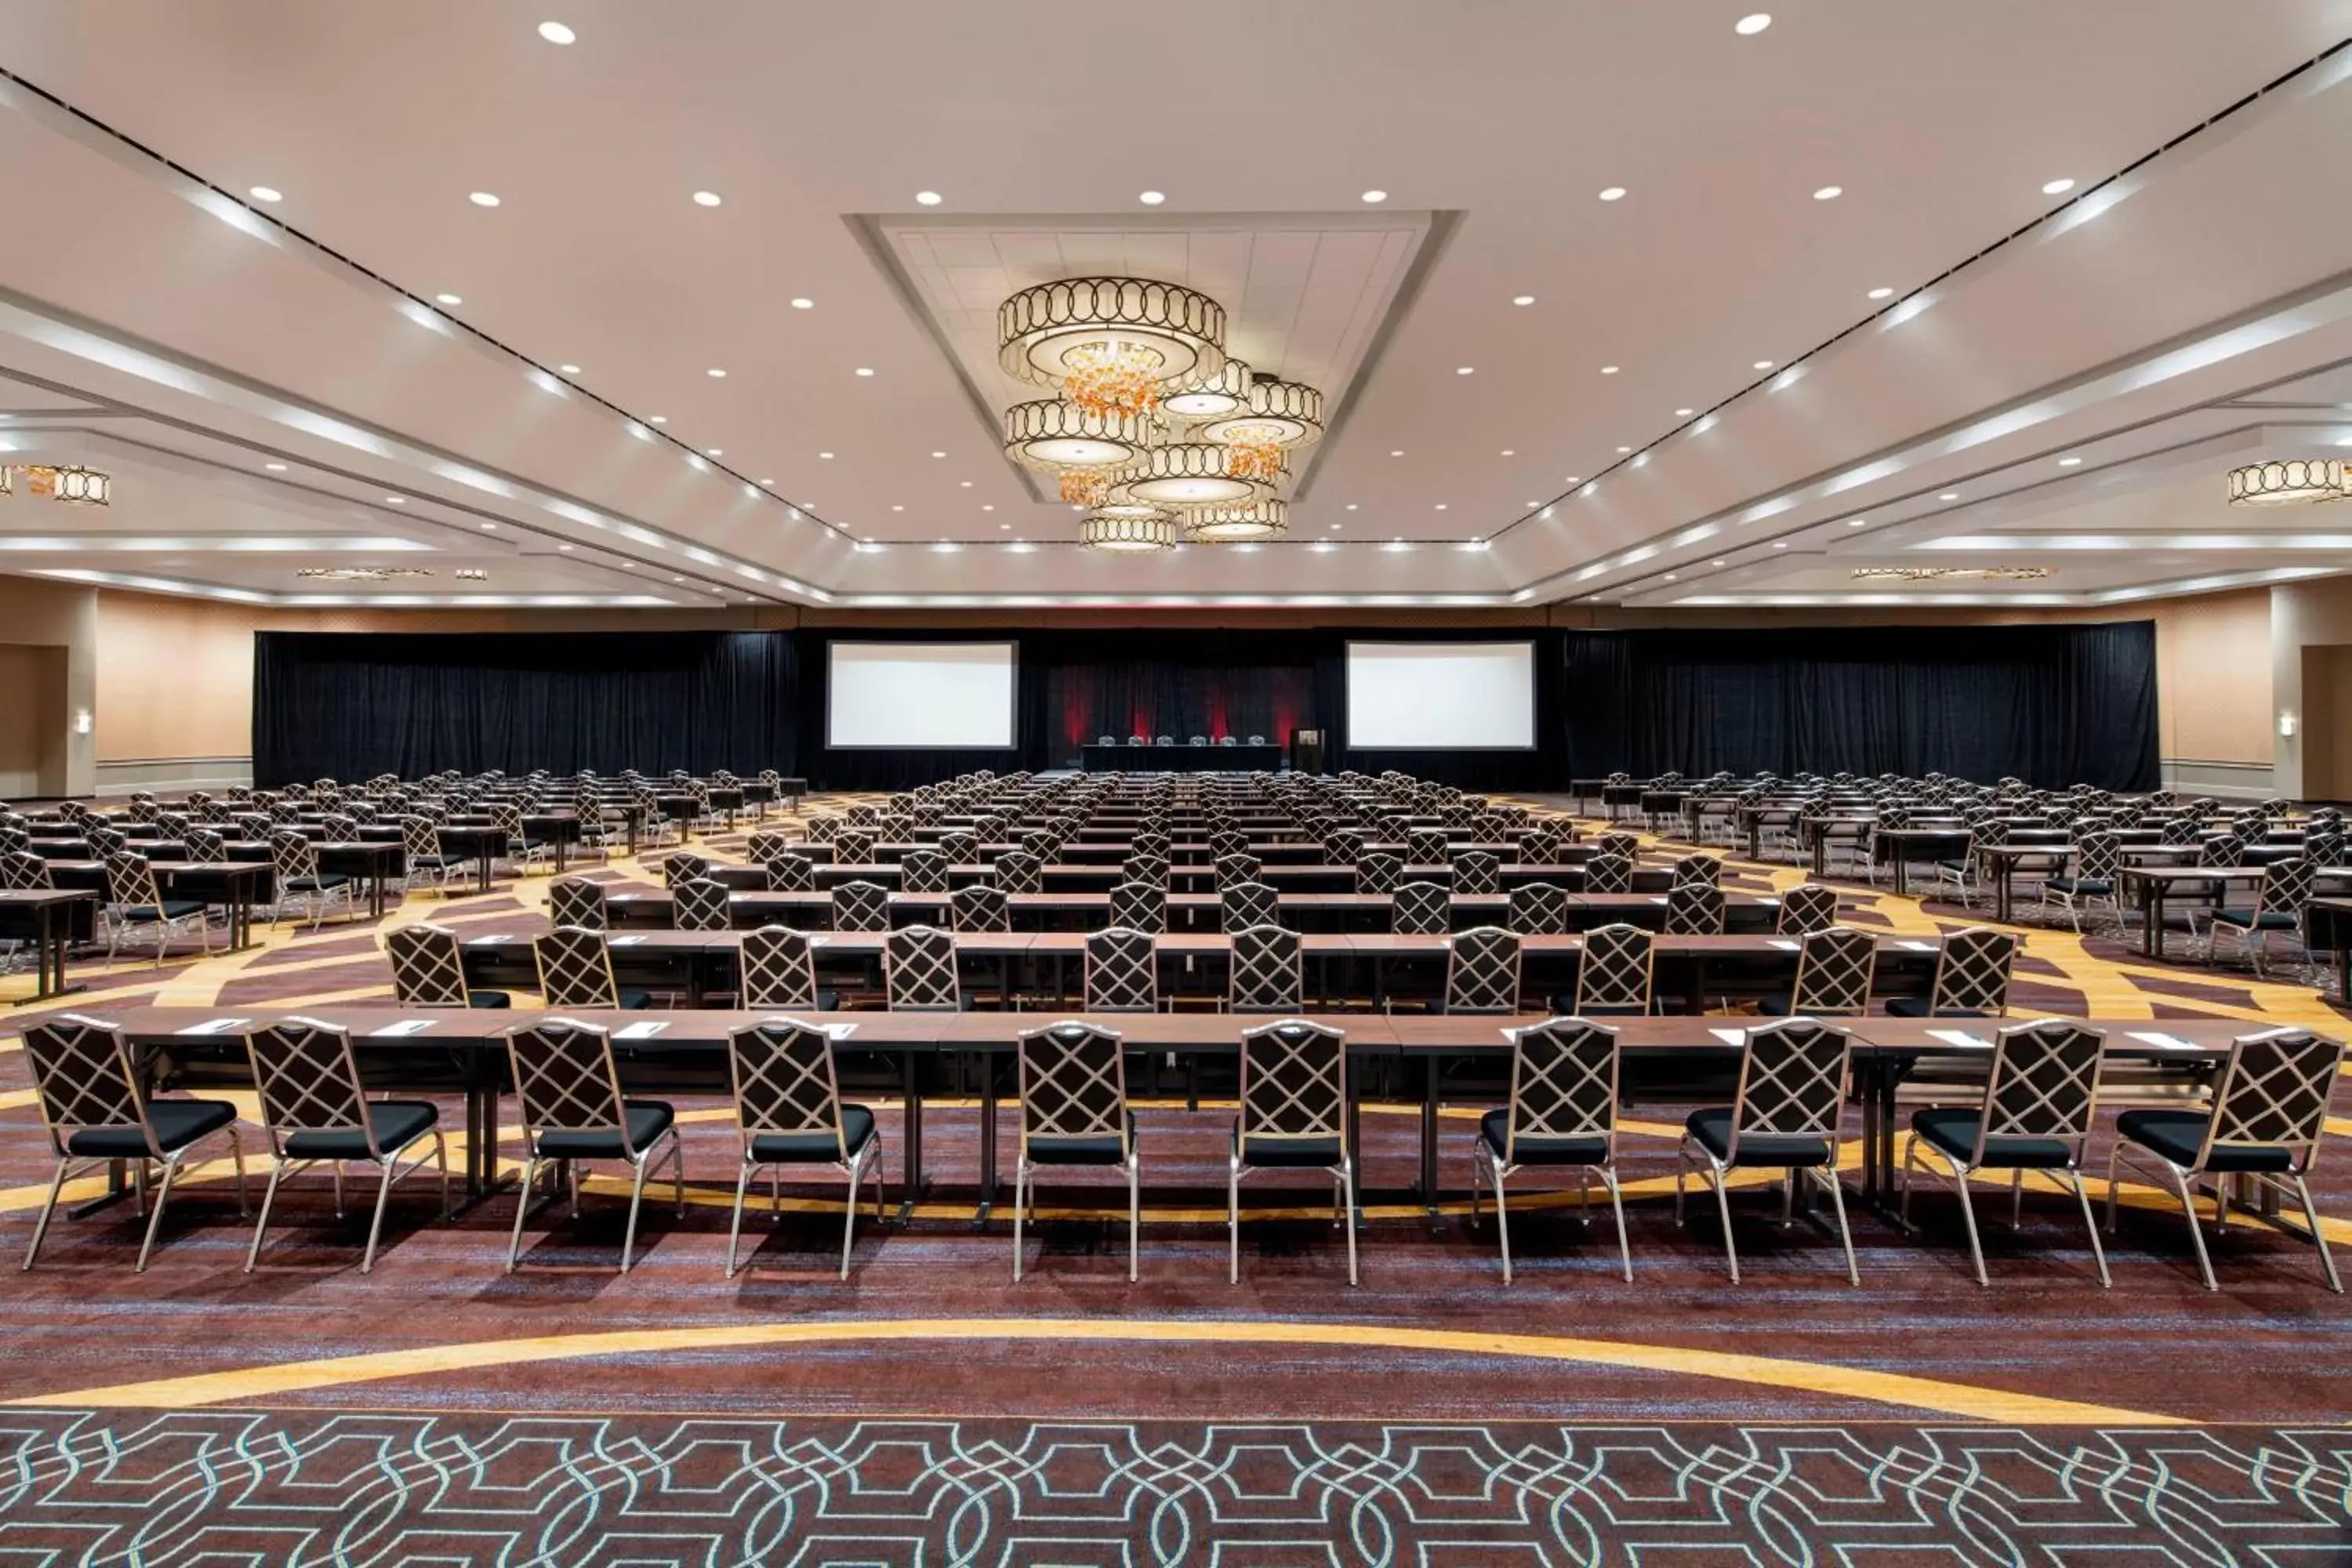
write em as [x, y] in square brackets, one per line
[1442, 696]
[929, 694]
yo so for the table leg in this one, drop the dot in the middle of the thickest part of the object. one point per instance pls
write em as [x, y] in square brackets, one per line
[987, 1140]
[2001, 891]
[910, 1159]
[1821, 855]
[2152, 918]
[1429, 1142]
[482, 868]
[1902, 867]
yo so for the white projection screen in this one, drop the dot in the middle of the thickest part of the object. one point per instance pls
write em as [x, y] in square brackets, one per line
[925, 694]
[1442, 696]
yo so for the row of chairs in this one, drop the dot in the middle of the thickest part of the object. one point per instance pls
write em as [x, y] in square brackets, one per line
[2037, 1112]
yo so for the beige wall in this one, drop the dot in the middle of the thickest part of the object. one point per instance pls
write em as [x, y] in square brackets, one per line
[174, 685]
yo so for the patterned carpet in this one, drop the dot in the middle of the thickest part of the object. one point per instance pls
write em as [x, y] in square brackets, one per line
[927, 1411]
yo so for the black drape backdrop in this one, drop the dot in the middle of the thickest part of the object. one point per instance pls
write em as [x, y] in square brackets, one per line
[2053, 705]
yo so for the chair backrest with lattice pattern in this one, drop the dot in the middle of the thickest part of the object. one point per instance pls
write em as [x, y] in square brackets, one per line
[1018, 871]
[1149, 869]
[577, 901]
[1267, 975]
[1482, 970]
[853, 846]
[1476, 872]
[1807, 908]
[1244, 904]
[1226, 842]
[700, 903]
[792, 873]
[2043, 1083]
[1695, 909]
[2287, 887]
[2274, 1092]
[919, 970]
[1379, 872]
[1343, 847]
[575, 969]
[923, 871]
[85, 1077]
[1539, 847]
[1563, 1083]
[1833, 973]
[1139, 906]
[980, 907]
[1421, 908]
[1073, 1080]
[565, 1080]
[779, 969]
[1237, 867]
[1426, 846]
[307, 1080]
[960, 847]
[1294, 1084]
[2222, 849]
[1607, 872]
[132, 880]
[785, 1082]
[1122, 971]
[1708, 869]
[1972, 972]
[1540, 908]
[1616, 968]
[428, 966]
[767, 845]
[22, 869]
[861, 906]
[292, 855]
[1155, 844]
[1793, 1081]
[822, 828]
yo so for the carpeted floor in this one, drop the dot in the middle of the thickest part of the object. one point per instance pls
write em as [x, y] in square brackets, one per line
[927, 1410]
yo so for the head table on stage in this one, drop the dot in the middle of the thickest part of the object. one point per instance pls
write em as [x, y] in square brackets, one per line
[1181, 759]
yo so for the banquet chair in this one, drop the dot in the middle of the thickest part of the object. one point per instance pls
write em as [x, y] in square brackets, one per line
[137, 902]
[428, 969]
[1122, 971]
[569, 1098]
[919, 970]
[1476, 872]
[1379, 872]
[1073, 1083]
[792, 873]
[1244, 904]
[1421, 908]
[1785, 1117]
[1139, 906]
[700, 903]
[577, 901]
[789, 1111]
[1805, 909]
[1835, 967]
[1267, 975]
[1482, 970]
[1292, 1116]
[1695, 909]
[1562, 1112]
[575, 970]
[778, 969]
[1972, 973]
[861, 906]
[923, 871]
[1614, 975]
[294, 859]
[1540, 908]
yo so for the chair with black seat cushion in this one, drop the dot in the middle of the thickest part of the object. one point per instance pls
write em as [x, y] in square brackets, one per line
[1476, 872]
[1293, 1117]
[1805, 909]
[684, 866]
[1707, 868]
[1122, 971]
[1482, 970]
[2270, 1113]
[979, 907]
[314, 1110]
[791, 874]
[861, 906]
[1563, 1112]
[575, 970]
[523, 851]
[295, 861]
[862, 814]
[1073, 1079]
[1238, 868]
[1139, 906]
[1540, 908]
[1834, 970]
[1972, 972]
[2281, 899]
[1613, 976]
[1155, 844]
[1785, 1117]
[960, 845]
[766, 845]
[1241, 905]
[568, 1092]
[420, 845]
[822, 828]
[923, 871]
[1226, 842]
[1018, 871]
[138, 904]
[577, 901]
[1421, 908]
[919, 970]
[789, 1111]
[2039, 1103]
[1267, 975]
[22, 871]
[1343, 847]
[2091, 880]
[1379, 872]
[1607, 872]
[1695, 909]
[1538, 846]
[95, 1108]
[702, 903]
[428, 969]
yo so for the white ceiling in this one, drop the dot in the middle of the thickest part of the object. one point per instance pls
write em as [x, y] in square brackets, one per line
[2143, 321]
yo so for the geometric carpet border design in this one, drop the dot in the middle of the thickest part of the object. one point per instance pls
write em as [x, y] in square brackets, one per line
[244, 1486]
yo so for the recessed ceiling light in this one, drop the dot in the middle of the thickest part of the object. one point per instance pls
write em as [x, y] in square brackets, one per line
[705, 198]
[897, 508]
[1748, 27]
[1151, 198]
[1396, 454]
[826, 456]
[677, 579]
[803, 304]
[483, 199]
[1337, 526]
[556, 33]
[656, 418]
[275, 468]
[1522, 298]
[965, 483]
[1949, 495]
[865, 370]
[1780, 544]
[265, 194]
[1625, 448]
[1763, 365]
[489, 527]
[928, 198]
[569, 369]
[1672, 578]
[1881, 293]
[939, 454]
[1613, 194]
[2057, 187]
[565, 548]
[1441, 506]
[716, 373]
[1609, 370]
[714, 451]
[1508, 453]
[1466, 370]
[1002, 525]
[1351, 506]
[1855, 522]
[1829, 193]
[449, 299]
[985, 507]
[1573, 479]
[397, 501]
[1683, 412]
[1376, 196]
[1717, 561]
[2070, 462]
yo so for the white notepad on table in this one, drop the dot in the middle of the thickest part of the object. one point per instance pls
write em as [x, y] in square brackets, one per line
[1959, 1037]
[1783, 942]
[644, 1031]
[215, 1026]
[2169, 1042]
[405, 1026]
[1730, 1036]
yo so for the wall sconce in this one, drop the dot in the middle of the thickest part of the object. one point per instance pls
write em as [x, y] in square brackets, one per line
[82, 722]
[2287, 726]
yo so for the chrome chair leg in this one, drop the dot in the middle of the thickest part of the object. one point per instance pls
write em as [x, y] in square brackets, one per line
[1234, 1225]
[155, 1220]
[375, 1225]
[1723, 1206]
[1845, 1232]
[2319, 1236]
[2196, 1231]
[849, 1212]
[58, 1185]
[735, 1221]
[522, 1207]
[1134, 1214]
[1020, 1207]
[1347, 1193]
[1969, 1215]
[1502, 1221]
[268, 1196]
[637, 1197]
[1617, 1202]
[2098, 1253]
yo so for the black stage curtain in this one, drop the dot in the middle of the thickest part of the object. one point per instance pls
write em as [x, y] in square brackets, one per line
[349, 706]
[2053, 705]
